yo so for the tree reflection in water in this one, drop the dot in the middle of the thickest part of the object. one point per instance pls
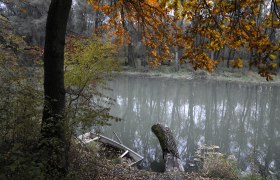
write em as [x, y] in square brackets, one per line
[241, 118]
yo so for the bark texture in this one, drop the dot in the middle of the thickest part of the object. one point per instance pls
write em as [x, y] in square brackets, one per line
[54, 142]
[169, 148]
[131, 56]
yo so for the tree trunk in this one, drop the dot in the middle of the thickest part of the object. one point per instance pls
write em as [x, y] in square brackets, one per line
[131, 56]
[177, 62]
[54, 143]
[168, 145]
[230, 57]
[130, 48]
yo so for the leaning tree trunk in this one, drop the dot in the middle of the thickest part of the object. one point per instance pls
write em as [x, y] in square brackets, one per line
[168, 145]
[54, 143]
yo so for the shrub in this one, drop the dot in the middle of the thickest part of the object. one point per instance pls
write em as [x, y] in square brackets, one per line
[219, 167]
[21, 94]
[20, 108]
[87, 62]
[83, 161]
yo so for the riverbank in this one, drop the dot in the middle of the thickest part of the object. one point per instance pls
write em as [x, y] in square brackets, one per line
[91, 162]
[221, 74]
[110, 170]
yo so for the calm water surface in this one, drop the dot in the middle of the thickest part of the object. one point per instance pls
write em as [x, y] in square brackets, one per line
[242, 119]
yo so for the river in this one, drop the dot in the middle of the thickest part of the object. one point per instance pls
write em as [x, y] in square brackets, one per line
[241, 118]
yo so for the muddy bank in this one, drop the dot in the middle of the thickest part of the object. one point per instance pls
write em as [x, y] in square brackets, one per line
[91, 162]
[99, 161]
[109, 170]
[226, 75]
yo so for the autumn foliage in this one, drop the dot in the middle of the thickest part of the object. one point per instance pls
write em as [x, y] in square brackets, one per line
[243, 26]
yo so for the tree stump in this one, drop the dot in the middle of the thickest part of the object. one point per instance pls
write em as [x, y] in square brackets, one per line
[168, 145]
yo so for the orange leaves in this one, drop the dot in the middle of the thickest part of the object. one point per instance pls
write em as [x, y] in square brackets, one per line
[245, 3]
[154, 53]
[202, 61]
[153, 3]
[198, 28]
[237, 63]
[215, 45]
[106, 9]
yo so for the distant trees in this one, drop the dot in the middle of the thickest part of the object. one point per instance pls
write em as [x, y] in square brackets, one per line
[204, 31]
[28, 17]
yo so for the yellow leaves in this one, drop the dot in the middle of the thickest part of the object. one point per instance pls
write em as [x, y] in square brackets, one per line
[256, 10]
[87, 58]
[264, 41]
[276, 24]
[272, 56]
[163, 3]
[215, 45]
[244, 3]
[216, 11]
[273, 65]
[237, 63]
[190, 5]
[155, 62]
[202, 61]
[151, 44]
[245, 35]
[247, 27]
[235, 44]
[106, 9]
[154, 53]
[210, 3]
[165, 49]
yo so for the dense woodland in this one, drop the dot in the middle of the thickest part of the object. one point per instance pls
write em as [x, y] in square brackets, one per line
[225, 32]
[56, 56]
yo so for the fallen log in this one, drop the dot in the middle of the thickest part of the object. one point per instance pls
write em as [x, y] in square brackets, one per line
[168, 145]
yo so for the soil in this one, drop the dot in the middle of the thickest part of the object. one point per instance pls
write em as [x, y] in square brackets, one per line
[110, 170]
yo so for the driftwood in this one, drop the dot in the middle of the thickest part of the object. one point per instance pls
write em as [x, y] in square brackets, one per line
[168, 145]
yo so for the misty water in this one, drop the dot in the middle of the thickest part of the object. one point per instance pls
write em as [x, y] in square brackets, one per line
[243, 119]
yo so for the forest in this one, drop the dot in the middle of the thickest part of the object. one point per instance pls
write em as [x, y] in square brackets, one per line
[191, 87]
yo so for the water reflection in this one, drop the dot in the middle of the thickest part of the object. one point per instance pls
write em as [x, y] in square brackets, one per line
[242, 119]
